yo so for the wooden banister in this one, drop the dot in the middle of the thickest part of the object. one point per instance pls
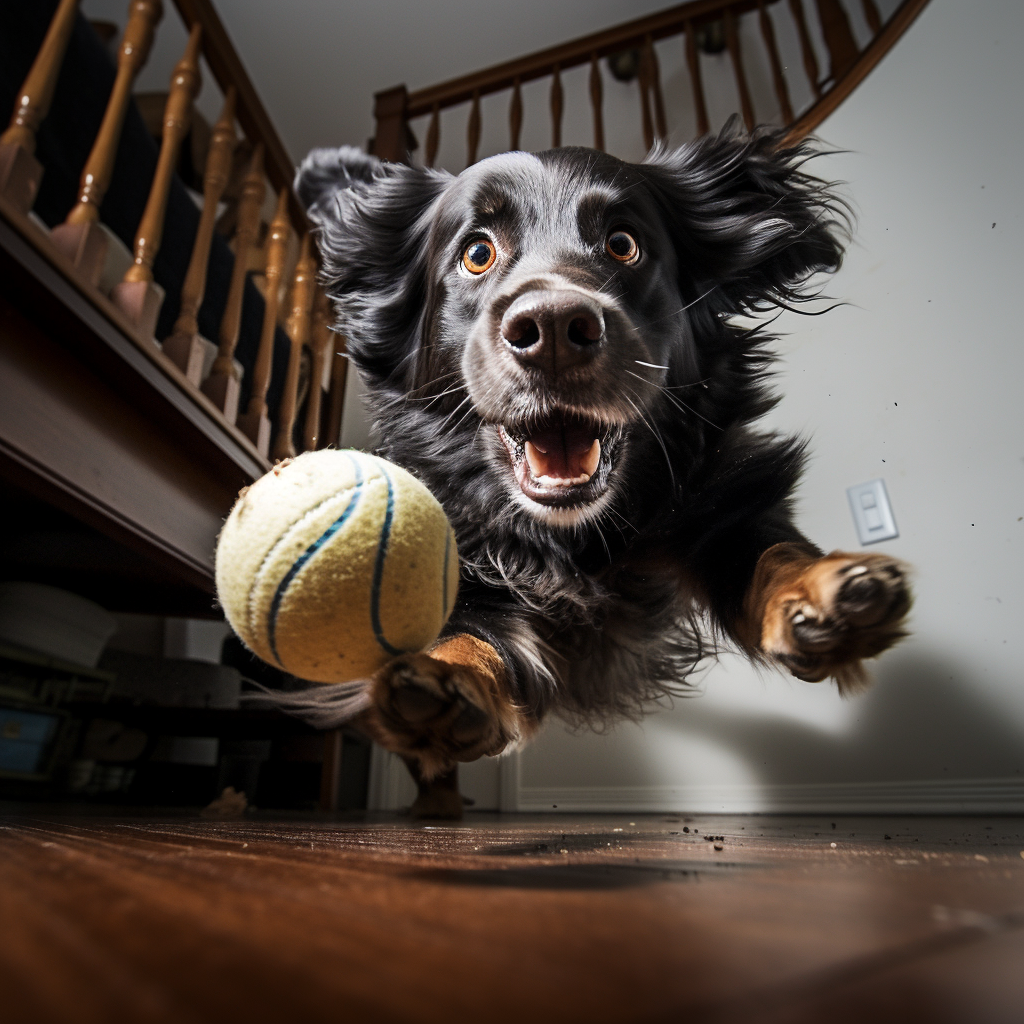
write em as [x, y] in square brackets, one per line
[184, 347]
[320, 340]
[336, 399]
[557, 106]
[20, 172]
[473, 131]
[778, 76]
[229, 71]
[696, 83]
[631, 34]
[732, 41]
[80, 237]
[137, 294]
[131, 58]
[298, 332]
[848, 65]
[222, 386]
[596, 101]
[255, 422]
[900, 21]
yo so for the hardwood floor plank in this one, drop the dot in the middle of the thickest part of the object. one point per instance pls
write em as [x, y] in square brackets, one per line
[504, 919]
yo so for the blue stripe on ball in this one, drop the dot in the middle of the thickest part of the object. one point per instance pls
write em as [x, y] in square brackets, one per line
[378, 570]
[444, 573]
[306, 555]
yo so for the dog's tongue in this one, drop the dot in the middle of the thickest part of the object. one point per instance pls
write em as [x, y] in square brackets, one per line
[564, 454]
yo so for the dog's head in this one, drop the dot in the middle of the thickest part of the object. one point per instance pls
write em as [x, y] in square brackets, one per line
[556, 316]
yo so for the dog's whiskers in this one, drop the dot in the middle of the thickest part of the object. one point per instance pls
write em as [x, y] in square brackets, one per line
[657, 437]
[675, 399]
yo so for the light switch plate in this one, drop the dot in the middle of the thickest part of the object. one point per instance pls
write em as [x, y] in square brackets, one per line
[872, 512]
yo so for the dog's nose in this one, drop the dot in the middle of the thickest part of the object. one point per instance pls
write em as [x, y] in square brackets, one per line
[553, 330]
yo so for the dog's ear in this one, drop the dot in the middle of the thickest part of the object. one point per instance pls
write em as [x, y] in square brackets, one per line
[746, 220]
[372, 222]
[326, 171]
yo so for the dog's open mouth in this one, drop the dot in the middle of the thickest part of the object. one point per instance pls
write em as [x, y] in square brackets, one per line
[562, 460]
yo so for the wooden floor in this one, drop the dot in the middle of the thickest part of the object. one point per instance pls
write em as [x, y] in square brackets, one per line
[567, 918]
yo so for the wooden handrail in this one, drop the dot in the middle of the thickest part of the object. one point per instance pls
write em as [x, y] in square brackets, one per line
[567, 55]
[897, 24]
[229, 71]
[847, 67]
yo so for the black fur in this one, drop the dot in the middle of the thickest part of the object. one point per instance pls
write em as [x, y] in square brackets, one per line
[595, 611]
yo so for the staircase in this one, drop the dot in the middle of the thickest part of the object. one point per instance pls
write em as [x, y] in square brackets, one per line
[667, 77]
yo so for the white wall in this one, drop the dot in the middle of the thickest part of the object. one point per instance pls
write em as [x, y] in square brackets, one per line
[919, 380]
[921, 370]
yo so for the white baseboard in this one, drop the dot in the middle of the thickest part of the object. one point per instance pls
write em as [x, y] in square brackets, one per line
[924, 796]
[391, 788]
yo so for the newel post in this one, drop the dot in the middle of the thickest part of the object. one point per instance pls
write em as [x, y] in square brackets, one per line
[391, 141]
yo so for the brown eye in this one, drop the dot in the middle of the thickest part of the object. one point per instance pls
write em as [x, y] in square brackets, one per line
[622, 246]
[479, 256]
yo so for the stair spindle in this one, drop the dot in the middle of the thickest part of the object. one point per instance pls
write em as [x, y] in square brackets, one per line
[643, 82]
[433, 136]
[223, 384]
[336, 399]
[320, 340]
[796, 8]
[596, 101]
[255, 421]
[298, 332]
[515, 116]
[838, 36]
[556, 107]
[138, 294]
[871, 16]
[81, 237]
[184, 347]
[654, 79]
[778, 78]
[732, 40]
[473, 130]
[20, 171]
[696, 85]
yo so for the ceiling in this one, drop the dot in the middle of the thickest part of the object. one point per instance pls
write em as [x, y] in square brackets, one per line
[317, 63]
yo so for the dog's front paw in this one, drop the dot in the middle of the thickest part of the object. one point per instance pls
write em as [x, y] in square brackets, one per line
[839, 610]
[435, 712]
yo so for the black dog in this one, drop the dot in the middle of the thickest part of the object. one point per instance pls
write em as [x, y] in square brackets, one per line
[548, 345]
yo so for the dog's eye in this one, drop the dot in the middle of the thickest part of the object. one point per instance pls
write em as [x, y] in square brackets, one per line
[622, 246]
[479, 256]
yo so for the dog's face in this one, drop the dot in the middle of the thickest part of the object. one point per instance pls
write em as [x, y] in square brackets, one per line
[554, 295]
[560, 305]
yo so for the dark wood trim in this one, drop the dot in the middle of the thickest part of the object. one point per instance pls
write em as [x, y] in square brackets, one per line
[85, 316]
[228, 69]
[870, 56]
[389, 111]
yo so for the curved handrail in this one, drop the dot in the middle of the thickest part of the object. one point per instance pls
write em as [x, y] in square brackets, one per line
[848, 66]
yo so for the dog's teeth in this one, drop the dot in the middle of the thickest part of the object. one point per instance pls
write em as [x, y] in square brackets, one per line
[590, 461]
[534, 458]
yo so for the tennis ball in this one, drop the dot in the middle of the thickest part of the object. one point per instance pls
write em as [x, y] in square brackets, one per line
[334, 563]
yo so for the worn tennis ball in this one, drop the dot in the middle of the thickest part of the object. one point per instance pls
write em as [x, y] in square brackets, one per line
[334, 563]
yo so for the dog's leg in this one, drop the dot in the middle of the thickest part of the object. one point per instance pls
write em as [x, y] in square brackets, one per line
[450, 705]
[437, 798]
[820, 615]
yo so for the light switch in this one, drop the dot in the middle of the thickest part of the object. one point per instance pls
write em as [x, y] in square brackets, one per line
[872, 512]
